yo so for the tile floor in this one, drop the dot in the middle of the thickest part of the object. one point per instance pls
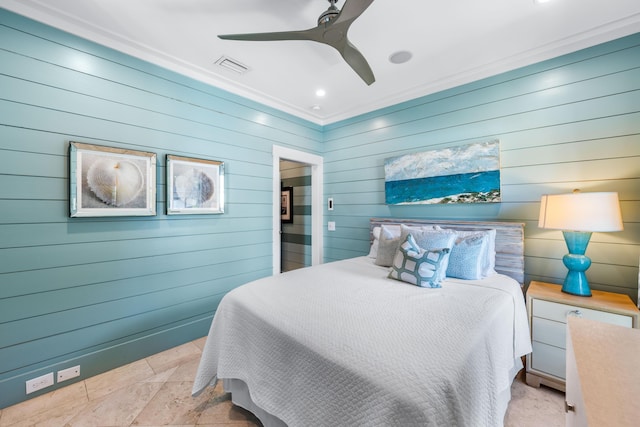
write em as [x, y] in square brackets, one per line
[156, 391]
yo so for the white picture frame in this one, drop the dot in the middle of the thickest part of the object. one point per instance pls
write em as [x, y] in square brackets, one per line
[194, 186]
[109, 181]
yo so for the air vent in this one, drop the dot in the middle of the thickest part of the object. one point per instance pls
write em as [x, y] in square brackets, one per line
[232, 65]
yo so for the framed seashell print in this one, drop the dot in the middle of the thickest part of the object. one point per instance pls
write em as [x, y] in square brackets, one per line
[194, 186]
[109, 181]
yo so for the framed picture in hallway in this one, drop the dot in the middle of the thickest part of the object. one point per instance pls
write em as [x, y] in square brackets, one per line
[286, 205]
[194, 186]
[110, 181]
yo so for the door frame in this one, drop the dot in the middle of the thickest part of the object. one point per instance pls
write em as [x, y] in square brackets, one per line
[315, 162]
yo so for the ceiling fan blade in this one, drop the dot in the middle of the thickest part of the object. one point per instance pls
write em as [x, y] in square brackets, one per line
[277, 36]
[352, 9]
[356, 60]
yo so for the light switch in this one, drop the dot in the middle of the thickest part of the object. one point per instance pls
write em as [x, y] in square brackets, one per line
[330, 203]
[331, 226]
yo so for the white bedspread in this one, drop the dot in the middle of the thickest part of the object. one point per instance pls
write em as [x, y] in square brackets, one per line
[340, 344]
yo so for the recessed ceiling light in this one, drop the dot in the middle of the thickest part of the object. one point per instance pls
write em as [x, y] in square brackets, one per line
[315, 107]
[541, 1]
[320, 93]
[400, 57]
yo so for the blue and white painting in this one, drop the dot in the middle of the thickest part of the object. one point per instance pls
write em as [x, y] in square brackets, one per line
[463, 174]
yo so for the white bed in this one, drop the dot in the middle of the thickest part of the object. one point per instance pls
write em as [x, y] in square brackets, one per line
[342, 344]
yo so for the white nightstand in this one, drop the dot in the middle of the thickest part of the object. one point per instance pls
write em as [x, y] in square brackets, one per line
[548, 308]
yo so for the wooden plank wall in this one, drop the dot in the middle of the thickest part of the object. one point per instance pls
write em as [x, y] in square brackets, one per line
[101, 292]
[570, 122]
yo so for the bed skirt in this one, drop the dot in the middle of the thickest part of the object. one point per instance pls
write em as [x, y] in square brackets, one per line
[241, 397]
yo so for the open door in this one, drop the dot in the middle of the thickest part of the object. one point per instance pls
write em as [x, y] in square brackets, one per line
[296, 215]
[315, 163]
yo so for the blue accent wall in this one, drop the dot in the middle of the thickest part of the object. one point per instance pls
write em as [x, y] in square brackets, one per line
[566, 123]
[102, 292]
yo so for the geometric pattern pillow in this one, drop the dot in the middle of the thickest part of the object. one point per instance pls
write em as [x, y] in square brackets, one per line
[417, 266]
[433, 239]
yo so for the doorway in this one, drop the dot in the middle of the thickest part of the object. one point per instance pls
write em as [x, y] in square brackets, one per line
[295, 224]
[313, 164]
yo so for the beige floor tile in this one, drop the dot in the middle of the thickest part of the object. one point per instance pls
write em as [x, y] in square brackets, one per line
[162, 377]
[534, 407]
[219, 410]
[173, 357]
[54, 417]
[173, 405]
[107, 383]
[200, 342]
[119, 408]
[48, 405]
[186, 371]
[224, 412]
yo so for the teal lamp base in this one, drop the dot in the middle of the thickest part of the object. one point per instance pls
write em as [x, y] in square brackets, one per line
[577, 263]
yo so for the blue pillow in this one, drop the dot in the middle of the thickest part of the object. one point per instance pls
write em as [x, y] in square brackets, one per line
[418, 266]
[466, 259]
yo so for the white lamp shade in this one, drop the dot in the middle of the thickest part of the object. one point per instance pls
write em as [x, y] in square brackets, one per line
[581, 212]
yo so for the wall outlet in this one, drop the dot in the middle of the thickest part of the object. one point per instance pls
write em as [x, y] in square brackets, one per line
[67, 374]
[331, 226]
[39, 383]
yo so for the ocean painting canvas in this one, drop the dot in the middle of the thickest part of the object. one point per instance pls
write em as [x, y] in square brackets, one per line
[462, 174]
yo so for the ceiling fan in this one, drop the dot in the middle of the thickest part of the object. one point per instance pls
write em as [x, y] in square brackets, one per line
[333, 25]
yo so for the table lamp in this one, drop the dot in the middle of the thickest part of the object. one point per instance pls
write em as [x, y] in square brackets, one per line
[578, 215]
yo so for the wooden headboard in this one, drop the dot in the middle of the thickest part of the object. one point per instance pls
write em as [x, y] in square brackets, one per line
[509, 239]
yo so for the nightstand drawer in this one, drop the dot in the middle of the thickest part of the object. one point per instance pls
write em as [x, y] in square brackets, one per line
[549, 332]
[559, 312]
[548, 359]
[549, 312]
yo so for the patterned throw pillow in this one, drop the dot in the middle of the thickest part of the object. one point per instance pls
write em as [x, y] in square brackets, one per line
[417, 266]
[428, 239]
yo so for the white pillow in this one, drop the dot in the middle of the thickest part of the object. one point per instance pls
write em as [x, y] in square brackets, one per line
[373, 251]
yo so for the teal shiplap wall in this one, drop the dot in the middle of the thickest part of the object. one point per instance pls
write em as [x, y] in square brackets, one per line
[571, 122]
[296, 236]
[101, 292]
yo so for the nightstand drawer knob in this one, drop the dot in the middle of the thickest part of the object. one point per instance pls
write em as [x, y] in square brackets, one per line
[574, 313]
[568, 407]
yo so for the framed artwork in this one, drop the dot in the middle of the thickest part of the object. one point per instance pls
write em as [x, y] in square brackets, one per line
[286, 205]
[109, 181]
[194, 186]
[463, 174]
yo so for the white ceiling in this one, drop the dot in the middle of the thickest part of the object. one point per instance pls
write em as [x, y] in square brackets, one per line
[453, 42]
